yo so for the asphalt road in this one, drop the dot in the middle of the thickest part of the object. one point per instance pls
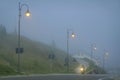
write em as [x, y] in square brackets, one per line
[55, 77]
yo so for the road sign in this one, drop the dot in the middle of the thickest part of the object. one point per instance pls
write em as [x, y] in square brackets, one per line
[19, 50]
[51, 56]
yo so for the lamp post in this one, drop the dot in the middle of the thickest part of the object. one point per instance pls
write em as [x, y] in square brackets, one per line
[72, 35]
[105, 55]
[19, 50]
[93, 48]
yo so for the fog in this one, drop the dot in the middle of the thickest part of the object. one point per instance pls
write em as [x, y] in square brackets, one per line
[93, 22]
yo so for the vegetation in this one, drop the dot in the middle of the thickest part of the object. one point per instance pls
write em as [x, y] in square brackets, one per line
[6, 70]
[93, 68]
[35, 58]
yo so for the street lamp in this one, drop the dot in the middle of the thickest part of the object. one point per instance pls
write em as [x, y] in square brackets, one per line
[72, 35]
[27, 13]
[93, 48]
[19, 50]
[105, 56]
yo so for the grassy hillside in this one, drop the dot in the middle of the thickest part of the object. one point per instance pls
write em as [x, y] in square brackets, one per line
[33, 60]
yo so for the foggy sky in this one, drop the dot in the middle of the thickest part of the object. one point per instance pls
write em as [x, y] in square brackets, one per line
[93, 22]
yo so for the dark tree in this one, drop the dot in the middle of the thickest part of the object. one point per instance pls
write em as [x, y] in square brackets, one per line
[2, 31]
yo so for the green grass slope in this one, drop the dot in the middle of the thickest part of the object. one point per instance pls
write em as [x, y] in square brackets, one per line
[34, 59]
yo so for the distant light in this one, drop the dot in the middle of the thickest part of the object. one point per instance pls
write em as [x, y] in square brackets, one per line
[81, 69]
[95, 48]
[27, 13]
[73, 35]
[106, 54]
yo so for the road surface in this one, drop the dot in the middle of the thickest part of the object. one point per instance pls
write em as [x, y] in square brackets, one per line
[55, 77]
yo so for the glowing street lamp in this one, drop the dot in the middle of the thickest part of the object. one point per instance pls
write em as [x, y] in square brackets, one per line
[19, 50]
[105, 56]
[27, 13]
[73, 36]
[93, 48]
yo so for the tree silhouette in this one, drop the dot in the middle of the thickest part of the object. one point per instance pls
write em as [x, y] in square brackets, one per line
[3, 32]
